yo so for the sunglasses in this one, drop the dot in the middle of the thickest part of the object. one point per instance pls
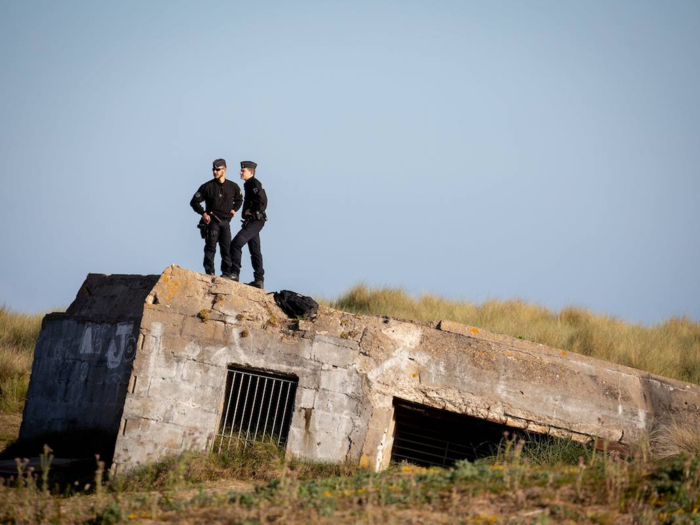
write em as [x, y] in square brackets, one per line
[217, 169]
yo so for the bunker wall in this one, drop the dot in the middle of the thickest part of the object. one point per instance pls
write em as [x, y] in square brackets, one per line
[194, 327]
[83, 358]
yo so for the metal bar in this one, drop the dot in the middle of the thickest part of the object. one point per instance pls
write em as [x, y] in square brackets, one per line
[277, 408]
[401, 437]
[262, 400]
[235, 411]
[424, 436]
[284, 413]
[266, 376]
[269, 405]
[245, 404]
[252, 406]
[228, 405]
[411, 458]
[422, 452]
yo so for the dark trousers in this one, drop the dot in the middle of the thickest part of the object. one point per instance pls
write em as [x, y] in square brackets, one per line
[218, 233]
[250, 235]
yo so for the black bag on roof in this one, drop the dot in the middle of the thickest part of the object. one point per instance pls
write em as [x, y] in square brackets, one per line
[295, 305]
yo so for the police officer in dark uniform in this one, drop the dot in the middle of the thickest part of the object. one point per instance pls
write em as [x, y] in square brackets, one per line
[254, 206]
[223, 199]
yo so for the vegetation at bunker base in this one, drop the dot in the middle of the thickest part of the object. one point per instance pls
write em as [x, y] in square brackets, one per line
[511, 486]
[670, 348]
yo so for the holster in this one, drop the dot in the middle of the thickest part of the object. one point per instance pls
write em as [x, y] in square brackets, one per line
[203, 228]
[254, 216]
[207, 233]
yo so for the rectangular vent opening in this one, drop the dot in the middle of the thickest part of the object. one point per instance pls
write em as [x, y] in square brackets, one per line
[433, 437]
[258, 406]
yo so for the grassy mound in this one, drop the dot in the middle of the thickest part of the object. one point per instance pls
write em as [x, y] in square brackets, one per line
[18, 335]
[670, 348]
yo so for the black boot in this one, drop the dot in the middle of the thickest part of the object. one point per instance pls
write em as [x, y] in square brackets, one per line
[257, 284]
[231, 276]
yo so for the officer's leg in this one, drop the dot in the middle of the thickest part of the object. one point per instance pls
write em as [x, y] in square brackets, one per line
[210, 248]
[237, 244]
[256, 258]
[225, 247]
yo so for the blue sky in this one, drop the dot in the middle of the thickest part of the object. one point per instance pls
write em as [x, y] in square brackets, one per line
[547, 150]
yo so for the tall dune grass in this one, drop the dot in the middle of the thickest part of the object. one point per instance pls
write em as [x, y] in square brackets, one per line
[18, 334]
[670, 348]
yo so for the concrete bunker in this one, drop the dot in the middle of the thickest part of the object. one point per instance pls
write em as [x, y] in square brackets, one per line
[159, 362]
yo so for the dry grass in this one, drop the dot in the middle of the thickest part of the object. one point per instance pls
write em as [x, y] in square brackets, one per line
[598, 488]
[18, 334]
[677, 438]
[258, 461]
[670, 348]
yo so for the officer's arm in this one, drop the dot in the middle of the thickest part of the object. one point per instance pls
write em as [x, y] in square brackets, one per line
[261, 198]
[197, 200]
[237, 199]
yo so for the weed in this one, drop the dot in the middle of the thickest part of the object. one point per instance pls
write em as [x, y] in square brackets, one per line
[13, 391]
[602, 488]
[676, 438]
[272, 319]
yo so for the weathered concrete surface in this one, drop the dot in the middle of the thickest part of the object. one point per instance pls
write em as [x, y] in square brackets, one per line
[82, 361]
[350, 368]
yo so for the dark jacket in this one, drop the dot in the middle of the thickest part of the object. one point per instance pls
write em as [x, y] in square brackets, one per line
[220, 198]
[255, 196]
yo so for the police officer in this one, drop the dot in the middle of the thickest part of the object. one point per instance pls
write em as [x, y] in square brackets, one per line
[223, 199]
[254, 206]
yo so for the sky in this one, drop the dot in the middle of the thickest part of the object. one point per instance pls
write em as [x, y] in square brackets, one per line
[547, 151]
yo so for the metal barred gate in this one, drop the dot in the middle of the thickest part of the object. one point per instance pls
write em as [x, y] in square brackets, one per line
[435, 437]
[258, 406]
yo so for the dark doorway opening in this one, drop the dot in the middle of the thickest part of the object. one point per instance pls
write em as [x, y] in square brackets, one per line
[433, 437]
[258, 406]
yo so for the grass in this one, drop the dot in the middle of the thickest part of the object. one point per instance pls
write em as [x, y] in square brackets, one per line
[670, 348]
[258, 461]
[18, 335]
[677, 437]
[510, 487]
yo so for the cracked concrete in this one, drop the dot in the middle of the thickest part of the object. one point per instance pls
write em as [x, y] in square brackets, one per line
[146, 358]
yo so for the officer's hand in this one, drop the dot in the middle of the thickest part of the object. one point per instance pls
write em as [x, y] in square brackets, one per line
[206, 218]
[233, 213]
[247, 213]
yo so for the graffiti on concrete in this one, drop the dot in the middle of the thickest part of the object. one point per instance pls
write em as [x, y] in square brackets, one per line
[120, 343]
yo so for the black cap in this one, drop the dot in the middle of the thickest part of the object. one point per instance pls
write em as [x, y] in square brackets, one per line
[248, 164]
[218, 163]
